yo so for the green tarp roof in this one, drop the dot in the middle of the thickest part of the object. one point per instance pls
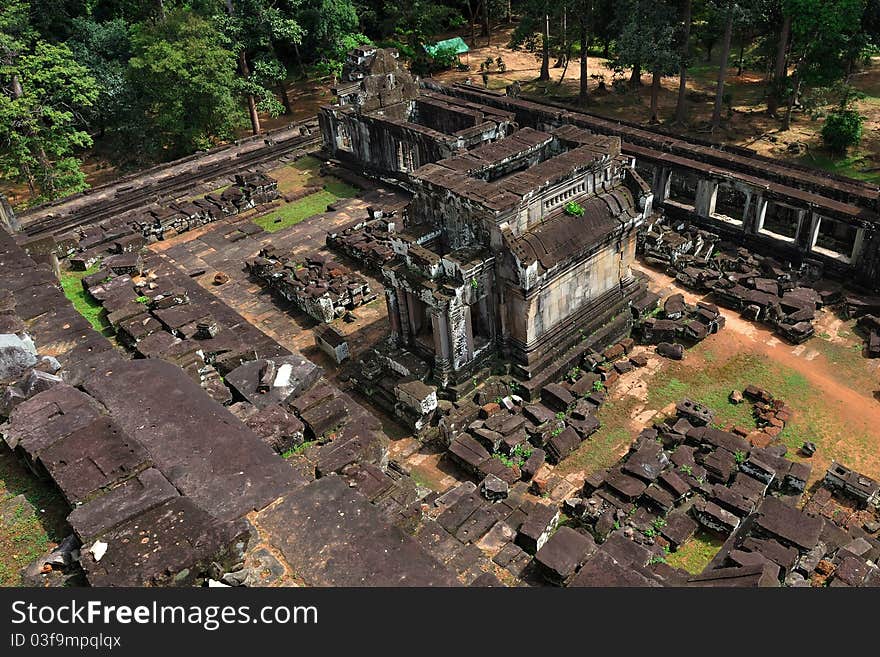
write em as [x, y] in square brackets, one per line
[457, 43]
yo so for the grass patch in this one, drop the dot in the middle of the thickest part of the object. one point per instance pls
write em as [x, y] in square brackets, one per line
[604, 448]
[812, 419]
[25, 536]
[307, 163]
[851, 166]
[297, 175]
[71, 283]
[308, 206]
[696, 553]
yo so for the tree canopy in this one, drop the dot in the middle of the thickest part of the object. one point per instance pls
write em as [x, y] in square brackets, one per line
[145, 81]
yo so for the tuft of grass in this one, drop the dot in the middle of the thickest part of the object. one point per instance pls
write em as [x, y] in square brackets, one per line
[308, 206]
[299, 449]
[88, 307]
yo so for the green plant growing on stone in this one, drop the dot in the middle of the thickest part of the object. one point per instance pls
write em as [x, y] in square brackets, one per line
[143, 299]
[299, 449]
[688, 470]
[574, 209]
[474, 284]
[740, 457]
[659, 523]
[598, 386]
[560, 415]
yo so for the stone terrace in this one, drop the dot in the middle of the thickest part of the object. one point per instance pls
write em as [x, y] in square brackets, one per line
[161, 496]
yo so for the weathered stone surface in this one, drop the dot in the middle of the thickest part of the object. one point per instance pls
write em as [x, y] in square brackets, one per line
[563, 553]
[17, 354]
[48, 417]
[171, 545]
[104, 512]
[205, 451]
[292, 375]
[278, 428]
[332, 536]
[97, 456]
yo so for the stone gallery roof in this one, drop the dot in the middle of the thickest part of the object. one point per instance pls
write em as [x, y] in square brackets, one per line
[561, 236]
[465, 175]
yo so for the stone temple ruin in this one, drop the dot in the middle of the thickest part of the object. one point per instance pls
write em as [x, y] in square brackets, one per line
[502, 234]
[517, 242]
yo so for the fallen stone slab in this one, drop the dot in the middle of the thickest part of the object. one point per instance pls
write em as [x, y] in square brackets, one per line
[96, 457]
[670, 350]
[278, 428]
[332, 536]
[147, 490]
[174, 544]
[564, 553]
[48, 417]
[17, 354]
[204, 450]
[291, 375]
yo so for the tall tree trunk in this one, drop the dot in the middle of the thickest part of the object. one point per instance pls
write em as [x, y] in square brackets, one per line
[48, 186]
[245, 72]
[285, 99]
[681, 103]
[739, 64]
[584, 92]
[473, 13]
[509, 11]
[722, 69]
[299, 61]
[635, 78]
[792, 99]
[563, 54]
[655, 92]
[779, 68]
[251, 101]
[17, 91]
[487, 29]
[545, 50]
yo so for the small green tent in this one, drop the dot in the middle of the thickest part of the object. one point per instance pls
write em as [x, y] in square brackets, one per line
[456, 44]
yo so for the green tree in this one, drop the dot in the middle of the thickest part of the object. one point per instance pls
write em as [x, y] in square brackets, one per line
[253, 28]
[40, 129]
[684, 40]
[535, 19]
[823, 34]
[183, 73]
[105, 49]
[842, 129]
[331, 28]
[647, 40]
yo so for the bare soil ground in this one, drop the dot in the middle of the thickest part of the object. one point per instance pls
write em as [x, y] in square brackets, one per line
[831, 387]
[746, 125]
